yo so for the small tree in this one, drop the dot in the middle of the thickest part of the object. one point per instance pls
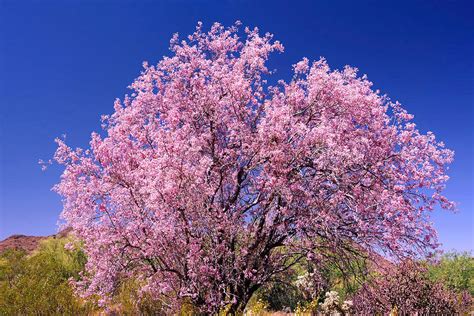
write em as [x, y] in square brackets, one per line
[206, 174]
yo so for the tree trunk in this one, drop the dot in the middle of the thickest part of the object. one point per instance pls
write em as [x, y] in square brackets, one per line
[238, 308]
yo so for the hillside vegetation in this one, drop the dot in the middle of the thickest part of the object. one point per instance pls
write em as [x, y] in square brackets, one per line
[39, 283]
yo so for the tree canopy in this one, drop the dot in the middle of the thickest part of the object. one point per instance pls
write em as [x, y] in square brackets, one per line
[205, 173]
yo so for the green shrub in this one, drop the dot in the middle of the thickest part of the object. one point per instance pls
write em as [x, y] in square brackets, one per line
[129, 300]
[39, 283]
[456, 271]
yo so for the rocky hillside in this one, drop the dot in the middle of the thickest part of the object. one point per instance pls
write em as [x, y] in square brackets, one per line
[28, 243]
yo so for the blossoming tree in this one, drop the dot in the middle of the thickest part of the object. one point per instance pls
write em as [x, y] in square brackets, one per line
[209, 183]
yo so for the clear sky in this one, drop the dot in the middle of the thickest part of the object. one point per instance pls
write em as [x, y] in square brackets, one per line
[62, 64]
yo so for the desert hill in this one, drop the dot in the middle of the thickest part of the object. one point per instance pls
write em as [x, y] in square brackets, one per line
[28, 243]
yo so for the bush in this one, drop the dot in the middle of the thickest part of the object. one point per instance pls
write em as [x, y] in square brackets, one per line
[38, 283]
[130, 301]
[456, 271]
[408, 289]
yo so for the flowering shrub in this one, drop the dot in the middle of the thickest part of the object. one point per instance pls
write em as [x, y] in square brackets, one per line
[310, 284]
[333, 306]
[347, 306]
[408, 290]
[331, 302]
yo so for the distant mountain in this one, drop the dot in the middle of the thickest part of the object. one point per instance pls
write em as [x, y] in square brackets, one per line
[28, 243]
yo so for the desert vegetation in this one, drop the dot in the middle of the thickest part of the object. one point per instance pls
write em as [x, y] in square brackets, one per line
[39, 282]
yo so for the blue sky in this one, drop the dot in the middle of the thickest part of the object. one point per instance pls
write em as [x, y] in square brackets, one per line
[63, 63]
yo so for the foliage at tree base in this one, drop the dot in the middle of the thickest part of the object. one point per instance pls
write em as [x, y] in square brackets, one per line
[39, 283]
